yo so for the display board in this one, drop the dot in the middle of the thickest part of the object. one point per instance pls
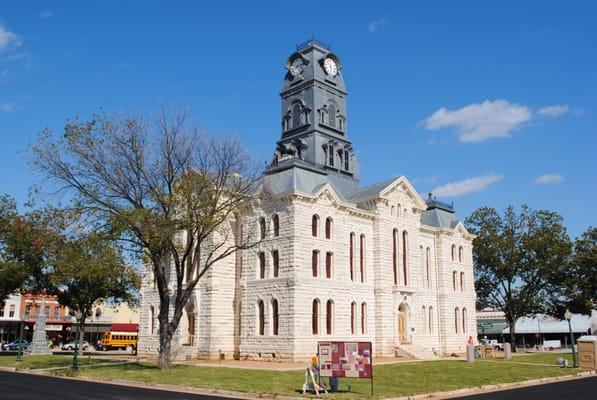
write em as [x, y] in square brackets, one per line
[346, 359]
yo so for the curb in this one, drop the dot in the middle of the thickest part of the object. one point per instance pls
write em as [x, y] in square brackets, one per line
[495, 388]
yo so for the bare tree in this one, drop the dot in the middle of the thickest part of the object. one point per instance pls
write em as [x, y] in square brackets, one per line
[172, 193]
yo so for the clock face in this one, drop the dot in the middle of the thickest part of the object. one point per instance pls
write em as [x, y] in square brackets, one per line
[330, 67]
[296, 67]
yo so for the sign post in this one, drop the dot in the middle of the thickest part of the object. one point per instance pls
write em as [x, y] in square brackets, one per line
[346, 360]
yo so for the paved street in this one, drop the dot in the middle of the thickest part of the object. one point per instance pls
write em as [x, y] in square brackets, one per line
[577, 389]
[18, 386]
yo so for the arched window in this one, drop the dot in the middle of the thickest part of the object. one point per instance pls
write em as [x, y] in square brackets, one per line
[261, 317]
[296, 115]
[262, 227]
[315, 225]
[424, 318]
[329, 259]
[152, 320]
[276, 223]
[456, 317]
[362, 258]
[329, 317]
[430, 319]
[395, 255]
[328, 227]
[453, 252]
[392, 211]
[351, 256]
[464, 320]
[462, 281]
[405, 257]
[405, 213]
[315, 317]
[353, 317]
[460, 254]
[261, 265]
[315, 262]
[332, 116]
[428, 267]
[275, 263]
[398, 210]
[275, 318]
[363, 318]
[454, 277]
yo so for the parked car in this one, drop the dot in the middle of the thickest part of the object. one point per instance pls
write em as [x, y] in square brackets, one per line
[493, 343]
[71, 345]
[552, 344]
[15, 345]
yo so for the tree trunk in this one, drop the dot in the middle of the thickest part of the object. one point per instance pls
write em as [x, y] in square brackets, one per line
[165, 357]
[511, 325]
[81, 337]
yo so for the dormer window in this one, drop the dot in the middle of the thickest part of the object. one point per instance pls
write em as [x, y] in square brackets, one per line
[331, 154]
[346, 160]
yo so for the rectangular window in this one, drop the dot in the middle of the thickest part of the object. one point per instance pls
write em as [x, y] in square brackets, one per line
[314, 262]
[262, 265]
[56, 313]
[331, 154]
[2, 310]
[11, 313]
[276, 263]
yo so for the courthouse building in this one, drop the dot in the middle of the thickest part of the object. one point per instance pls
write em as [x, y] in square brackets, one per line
[338, 261]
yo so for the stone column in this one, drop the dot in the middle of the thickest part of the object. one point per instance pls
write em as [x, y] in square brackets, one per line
[39, 344]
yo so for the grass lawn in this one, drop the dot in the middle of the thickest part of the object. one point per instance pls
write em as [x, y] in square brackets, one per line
[390, 380]
[47, 361]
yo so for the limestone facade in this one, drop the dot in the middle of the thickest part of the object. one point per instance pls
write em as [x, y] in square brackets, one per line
[338, 261]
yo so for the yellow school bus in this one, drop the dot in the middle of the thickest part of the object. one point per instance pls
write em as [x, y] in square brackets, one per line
[118, 340]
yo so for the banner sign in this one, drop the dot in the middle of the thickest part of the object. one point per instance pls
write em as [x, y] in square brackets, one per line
[345, 359]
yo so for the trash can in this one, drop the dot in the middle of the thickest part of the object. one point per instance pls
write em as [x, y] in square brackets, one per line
[334, 381]
[587, 351]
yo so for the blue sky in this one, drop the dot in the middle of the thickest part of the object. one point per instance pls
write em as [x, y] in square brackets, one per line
[485, 103]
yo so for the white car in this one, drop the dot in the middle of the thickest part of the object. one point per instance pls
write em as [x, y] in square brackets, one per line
[71, 345]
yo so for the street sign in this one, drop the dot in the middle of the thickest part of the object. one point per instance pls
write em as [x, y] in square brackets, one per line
[485, 324]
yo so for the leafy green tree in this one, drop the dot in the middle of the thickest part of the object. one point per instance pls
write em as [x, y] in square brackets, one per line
[89, 269]
[582, 278]
[521, 261]
[174, 196]
[27, 242]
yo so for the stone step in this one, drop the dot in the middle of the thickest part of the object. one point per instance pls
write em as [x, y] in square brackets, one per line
[415, 351]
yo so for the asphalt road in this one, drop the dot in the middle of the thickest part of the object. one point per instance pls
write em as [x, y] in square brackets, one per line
[575, 389]
[20, 386]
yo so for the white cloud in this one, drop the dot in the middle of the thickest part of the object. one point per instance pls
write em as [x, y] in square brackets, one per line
[465, 186]
[548, 179]
[8, 40]
[374, 26]
[553, 111]
[6, 107]
[479, 122]
[46, 14]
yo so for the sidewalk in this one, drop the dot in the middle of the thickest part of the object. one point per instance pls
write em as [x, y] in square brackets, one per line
[281, 366]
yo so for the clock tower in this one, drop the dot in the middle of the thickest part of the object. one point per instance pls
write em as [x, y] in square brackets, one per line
[314, 120]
